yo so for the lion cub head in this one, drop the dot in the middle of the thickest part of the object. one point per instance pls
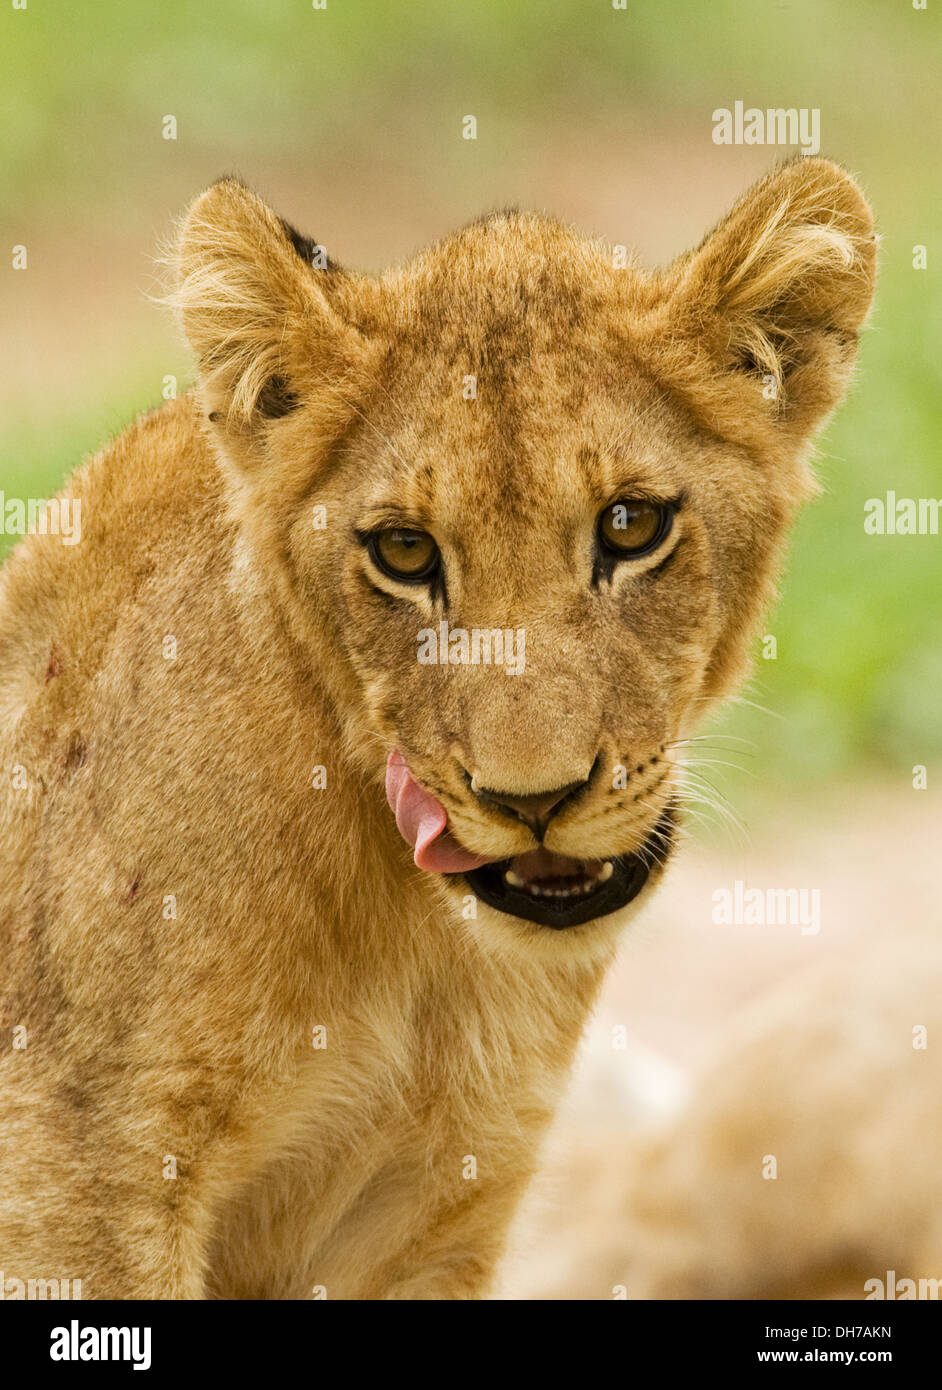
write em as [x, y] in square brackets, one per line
[523, 505]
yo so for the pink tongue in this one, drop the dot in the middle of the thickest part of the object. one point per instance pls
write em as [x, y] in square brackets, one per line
[422, 822]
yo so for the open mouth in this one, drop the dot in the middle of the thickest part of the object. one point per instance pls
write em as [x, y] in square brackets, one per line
[550, 889]
[556, 891]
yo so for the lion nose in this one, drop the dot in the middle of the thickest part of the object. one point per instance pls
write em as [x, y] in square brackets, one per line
[536, 811]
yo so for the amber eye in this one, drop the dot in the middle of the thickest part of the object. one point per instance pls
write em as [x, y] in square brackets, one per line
[408, 555]
[629, 529]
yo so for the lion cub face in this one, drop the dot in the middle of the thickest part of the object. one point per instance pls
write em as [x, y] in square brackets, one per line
[534, 499]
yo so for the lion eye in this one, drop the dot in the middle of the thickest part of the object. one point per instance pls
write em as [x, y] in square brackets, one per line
[629, 529]
[402, 554]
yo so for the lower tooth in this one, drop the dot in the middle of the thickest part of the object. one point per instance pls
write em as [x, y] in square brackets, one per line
[537, 891]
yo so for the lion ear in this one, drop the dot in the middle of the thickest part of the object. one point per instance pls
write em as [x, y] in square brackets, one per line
[254, 298]
[780, 289]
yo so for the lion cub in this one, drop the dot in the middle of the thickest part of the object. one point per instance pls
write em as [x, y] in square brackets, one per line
[307, 889]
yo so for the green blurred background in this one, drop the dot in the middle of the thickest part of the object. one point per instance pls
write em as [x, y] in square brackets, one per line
[349, 120]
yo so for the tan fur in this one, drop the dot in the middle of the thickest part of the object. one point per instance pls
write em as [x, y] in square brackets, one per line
[832, 1078]
[153, 1037]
